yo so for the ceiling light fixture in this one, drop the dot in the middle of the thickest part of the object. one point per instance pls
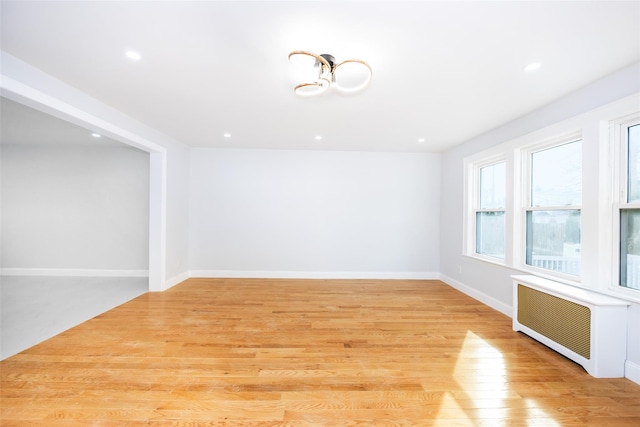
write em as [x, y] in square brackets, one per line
[532, 67]
[351, 75]
[96, 135]
[133, 55]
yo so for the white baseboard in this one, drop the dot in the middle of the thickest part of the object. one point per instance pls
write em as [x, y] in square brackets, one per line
[72, 272]
[175, 280]
[312, 275]
[632, 371]
[480, 296]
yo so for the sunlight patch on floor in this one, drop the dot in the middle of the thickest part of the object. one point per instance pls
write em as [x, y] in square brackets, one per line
[536, 417]
[482, 376]
[480, 367]
[451, 410]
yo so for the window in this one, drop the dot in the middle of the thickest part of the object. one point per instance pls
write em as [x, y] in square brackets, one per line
[552, 214]
[490, 211]
[562, 202]
[629, 211]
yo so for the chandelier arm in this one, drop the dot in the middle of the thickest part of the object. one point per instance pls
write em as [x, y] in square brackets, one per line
[359, 61]
[359, 87]
[318, 58]
[319, 85]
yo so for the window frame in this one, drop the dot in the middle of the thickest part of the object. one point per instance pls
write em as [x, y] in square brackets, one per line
[477, 208]
[526, 206]
[618, 140]
[473, 168]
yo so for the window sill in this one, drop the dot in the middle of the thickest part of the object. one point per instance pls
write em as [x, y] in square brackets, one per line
[614, 292]
[487, 259]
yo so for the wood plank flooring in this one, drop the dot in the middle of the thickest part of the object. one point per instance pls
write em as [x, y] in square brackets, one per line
[226, 352]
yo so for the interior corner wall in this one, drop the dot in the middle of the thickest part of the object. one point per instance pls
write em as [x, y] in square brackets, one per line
[276, 213]
[72, 209]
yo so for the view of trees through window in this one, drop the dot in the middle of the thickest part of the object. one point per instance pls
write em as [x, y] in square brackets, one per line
[553, 217]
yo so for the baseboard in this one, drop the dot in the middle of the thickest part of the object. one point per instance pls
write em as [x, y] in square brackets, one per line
[72, 272]
[312, 275]
[632, 371]
[480, 296]
[175, 280]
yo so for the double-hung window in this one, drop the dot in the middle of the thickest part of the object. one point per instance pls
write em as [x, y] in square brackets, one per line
[629, 206]
[552, 213]
[563, 202]
[490, 210]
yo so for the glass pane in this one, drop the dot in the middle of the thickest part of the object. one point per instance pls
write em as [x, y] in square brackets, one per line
[492, 186]
[553, 240]
[633, 169]
[556, 176]
[490, 234]
[630, 248]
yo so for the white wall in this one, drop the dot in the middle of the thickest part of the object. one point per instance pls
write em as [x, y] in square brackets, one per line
[177, 216]
[75, 208]
[314, 214]
[492, 283]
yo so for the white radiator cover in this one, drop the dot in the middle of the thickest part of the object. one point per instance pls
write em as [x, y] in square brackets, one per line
[593, 332]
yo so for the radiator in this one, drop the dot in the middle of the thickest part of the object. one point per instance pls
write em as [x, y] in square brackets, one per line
[587, 327]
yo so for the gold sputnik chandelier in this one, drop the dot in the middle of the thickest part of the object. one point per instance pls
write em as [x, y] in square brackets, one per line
[349, 76]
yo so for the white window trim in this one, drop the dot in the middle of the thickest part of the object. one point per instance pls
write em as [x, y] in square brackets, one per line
[520, 226]
[472, 190]
[599, 253]
[617, 142]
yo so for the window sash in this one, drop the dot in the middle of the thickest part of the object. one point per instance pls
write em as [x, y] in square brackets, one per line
[544, 190]
[489, 209]
[551, 215]
[632, 175]
[491, 186]
[628, 211]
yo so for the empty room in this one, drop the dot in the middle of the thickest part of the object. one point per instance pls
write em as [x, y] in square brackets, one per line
[320, 213]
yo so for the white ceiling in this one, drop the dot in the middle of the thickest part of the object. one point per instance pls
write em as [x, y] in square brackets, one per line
[444, 71]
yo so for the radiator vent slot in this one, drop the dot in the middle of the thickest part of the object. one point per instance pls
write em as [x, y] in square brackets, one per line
[562, 321]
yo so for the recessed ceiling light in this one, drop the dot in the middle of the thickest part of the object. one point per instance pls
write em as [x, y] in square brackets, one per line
[318, 137]
[532, 67]
[227, 135]
[133, 55]
[96, 135]
[421, 140]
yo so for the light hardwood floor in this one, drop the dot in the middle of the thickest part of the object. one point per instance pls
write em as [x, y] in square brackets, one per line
[305, 353]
